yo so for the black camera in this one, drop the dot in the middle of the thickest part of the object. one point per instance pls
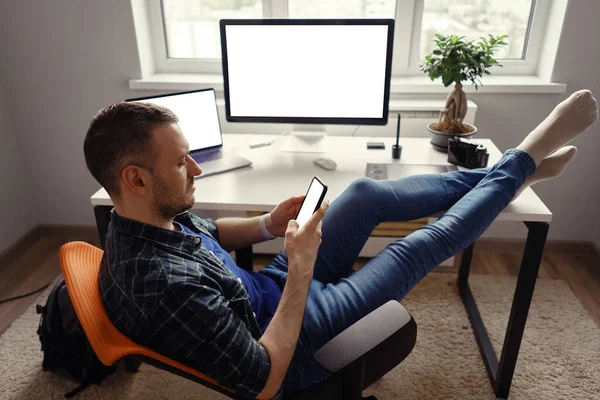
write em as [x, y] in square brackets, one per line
[466, 154]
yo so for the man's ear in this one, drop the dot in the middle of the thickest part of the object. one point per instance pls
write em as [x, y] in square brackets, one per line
[135, 179]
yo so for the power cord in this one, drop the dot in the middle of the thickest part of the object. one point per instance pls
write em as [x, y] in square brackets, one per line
[355, 129]
[24, 295]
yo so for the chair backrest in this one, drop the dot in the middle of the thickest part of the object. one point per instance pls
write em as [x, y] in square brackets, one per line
[80, 264]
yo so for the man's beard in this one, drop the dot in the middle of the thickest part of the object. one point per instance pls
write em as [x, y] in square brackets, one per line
[167, 206]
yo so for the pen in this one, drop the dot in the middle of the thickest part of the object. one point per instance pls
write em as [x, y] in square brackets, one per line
[260, 144]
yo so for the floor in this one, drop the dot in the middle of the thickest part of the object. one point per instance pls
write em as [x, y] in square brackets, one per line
[40, 266]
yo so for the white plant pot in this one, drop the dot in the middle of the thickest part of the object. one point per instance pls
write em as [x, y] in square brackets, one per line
[439, 140]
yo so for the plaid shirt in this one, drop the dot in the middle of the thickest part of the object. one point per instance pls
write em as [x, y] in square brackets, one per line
[163, 290]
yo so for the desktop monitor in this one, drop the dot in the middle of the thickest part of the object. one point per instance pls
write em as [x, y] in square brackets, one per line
[307, 71]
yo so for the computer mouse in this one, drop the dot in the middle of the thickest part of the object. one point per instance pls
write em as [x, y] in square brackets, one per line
[326, 163]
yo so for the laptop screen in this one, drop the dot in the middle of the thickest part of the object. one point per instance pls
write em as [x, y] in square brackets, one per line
[197, 113]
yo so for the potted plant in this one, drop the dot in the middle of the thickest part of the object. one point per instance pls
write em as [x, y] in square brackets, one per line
[455, 61]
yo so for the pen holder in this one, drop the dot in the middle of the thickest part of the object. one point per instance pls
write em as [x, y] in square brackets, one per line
[396, 151]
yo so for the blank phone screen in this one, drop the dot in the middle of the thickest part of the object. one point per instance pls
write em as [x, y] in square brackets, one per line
[310, 201]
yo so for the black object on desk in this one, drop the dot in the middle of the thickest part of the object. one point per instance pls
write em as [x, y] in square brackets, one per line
[466, 154]
[396, 148]
[375, 145]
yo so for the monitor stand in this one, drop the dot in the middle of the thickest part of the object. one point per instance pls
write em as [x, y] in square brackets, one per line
[305, 141]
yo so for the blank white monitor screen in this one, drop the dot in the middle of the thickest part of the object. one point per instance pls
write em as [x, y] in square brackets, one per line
[307, 71]
[198, 116]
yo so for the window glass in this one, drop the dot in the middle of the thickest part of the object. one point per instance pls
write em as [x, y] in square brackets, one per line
[192, 26]
[476, 18]
[341, 8]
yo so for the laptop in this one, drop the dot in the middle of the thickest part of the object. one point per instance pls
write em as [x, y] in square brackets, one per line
[199, 122]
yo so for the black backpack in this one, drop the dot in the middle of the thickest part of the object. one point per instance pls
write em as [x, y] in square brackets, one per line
[67, 350]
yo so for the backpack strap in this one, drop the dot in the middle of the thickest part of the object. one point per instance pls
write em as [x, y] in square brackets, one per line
[40, 310]
[90, 374]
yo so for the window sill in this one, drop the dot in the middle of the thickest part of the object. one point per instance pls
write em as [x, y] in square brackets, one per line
[399, 85]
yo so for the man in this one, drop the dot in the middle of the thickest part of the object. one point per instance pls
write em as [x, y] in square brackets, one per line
[168, 281]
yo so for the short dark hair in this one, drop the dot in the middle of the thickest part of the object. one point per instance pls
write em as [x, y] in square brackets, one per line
[119, 135]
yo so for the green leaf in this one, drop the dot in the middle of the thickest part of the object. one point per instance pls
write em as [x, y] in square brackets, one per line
[456, 60]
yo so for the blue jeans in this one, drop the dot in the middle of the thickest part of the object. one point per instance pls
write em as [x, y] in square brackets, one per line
[339, 296]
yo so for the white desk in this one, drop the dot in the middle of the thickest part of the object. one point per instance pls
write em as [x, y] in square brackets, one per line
[276, 175]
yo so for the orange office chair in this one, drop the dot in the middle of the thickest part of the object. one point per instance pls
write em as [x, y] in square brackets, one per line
[353, 368]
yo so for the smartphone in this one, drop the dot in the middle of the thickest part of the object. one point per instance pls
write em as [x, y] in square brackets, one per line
[312, 201]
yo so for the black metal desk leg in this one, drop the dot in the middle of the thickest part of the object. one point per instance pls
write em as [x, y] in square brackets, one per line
[465, 265]
[501, 372]
[102, 214]
[244, 258]
[483, 339]
[530, 265]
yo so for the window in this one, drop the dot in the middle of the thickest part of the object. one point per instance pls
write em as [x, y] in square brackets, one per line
[474, 19]
[185, 33]
[192, 26]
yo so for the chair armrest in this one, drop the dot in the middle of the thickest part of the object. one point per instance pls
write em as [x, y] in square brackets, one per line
[362, 336]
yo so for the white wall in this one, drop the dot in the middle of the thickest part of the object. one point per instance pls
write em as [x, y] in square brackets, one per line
[574, 197]
[64, 61]
[68, 59]
[17, 215]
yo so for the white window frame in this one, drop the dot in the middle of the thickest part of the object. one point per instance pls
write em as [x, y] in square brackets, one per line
[406, 41]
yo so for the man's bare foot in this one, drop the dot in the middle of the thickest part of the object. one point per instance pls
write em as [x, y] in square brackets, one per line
[568, 119]
[551, 167]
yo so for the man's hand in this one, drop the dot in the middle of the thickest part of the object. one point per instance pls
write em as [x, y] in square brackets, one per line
[277, 220]
[281, 336]
[301, 244]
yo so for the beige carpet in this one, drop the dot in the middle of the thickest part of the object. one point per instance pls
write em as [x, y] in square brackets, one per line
[559, 356]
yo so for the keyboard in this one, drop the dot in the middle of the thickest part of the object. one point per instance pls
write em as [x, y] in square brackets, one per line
[209, 156]
[227, 163]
